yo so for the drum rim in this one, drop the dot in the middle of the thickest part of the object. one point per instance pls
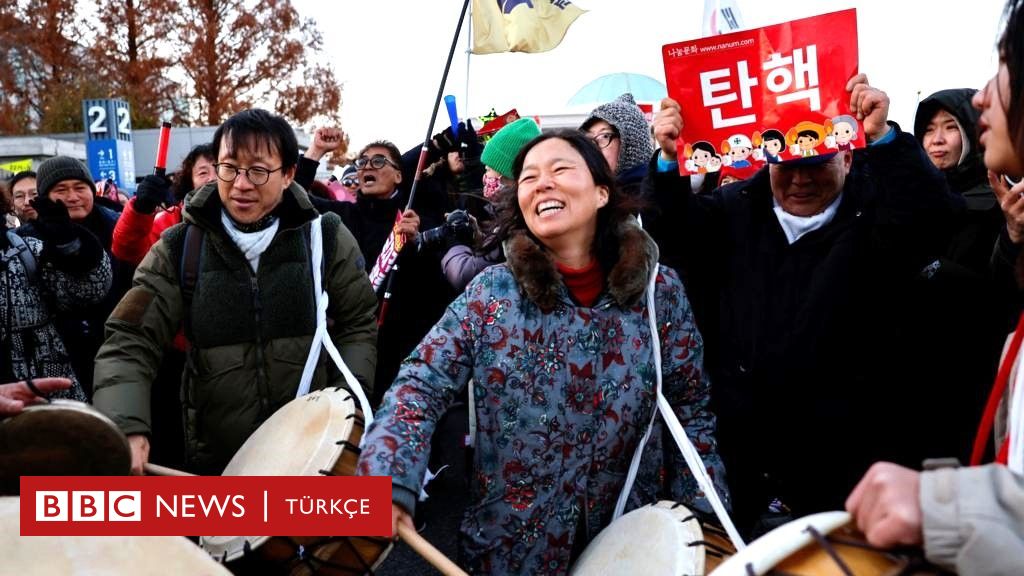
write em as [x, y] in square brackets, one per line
[230, 548]
[691, 530]
[780, 543]
[66, 406]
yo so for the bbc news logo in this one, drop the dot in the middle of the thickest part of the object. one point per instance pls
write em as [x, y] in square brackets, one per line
[189, 506]
[89, 506]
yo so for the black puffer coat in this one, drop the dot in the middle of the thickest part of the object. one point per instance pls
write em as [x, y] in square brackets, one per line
[805, 341]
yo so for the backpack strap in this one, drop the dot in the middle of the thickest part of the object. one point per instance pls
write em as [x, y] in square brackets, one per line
[28, 259]
[188, 272]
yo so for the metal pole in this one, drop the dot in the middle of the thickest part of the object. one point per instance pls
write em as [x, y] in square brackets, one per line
[420, 164]
[437, 105]
[469, 54]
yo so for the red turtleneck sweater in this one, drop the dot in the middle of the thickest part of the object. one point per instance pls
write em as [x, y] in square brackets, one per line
[585, 283]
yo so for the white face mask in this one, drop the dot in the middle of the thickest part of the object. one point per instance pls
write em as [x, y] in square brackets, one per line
[491, 185]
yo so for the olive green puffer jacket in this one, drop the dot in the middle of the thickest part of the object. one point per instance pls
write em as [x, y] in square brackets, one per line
[250, 333]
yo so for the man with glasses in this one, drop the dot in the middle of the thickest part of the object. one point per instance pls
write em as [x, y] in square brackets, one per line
[23, 189]
[419, 293]
[237, 274]
[350, 180]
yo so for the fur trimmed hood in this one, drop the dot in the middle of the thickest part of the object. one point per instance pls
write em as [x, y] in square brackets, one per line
[540, 280]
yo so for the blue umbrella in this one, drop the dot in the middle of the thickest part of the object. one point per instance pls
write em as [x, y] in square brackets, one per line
[611, 86]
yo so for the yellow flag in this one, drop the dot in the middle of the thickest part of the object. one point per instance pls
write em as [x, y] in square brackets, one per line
[520, 25]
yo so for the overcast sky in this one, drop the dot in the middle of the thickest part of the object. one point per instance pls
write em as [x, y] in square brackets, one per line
[389, 54]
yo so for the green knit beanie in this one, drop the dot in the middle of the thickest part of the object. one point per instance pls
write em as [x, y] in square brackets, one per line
[500, 152]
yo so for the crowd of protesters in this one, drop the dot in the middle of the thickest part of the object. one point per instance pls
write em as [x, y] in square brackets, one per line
[817, 319]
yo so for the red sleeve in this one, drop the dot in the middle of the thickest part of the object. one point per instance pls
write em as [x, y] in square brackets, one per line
[130, 235]
[164, 220]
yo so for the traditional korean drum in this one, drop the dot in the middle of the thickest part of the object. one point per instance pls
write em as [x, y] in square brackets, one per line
[61, 438]
[315, 434]
[823, 544]
[660, 539]
[66, 555]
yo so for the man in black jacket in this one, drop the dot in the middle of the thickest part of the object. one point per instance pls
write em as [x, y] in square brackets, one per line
[810, 265]
[420, 293]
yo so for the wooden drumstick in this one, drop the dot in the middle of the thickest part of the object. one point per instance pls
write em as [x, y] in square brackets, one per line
[425, 549]
[158, 470]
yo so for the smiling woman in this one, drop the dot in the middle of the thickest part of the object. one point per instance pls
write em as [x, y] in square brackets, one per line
[562, 400]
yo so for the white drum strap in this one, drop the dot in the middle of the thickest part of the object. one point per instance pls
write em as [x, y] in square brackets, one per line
[320, 337]
[1015, 424]
[686, 447]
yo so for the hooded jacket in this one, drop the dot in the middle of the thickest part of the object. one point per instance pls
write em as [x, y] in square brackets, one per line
[250, 332]
[563, 394]
[973, 243]
[968, 177]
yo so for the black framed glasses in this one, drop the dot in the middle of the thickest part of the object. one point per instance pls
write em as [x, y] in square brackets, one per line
[256, 175]
[350, 182]
[376, 162]
[603, 139]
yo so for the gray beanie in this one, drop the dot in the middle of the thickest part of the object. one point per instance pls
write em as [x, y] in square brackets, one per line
[636, 144]
[55, 170]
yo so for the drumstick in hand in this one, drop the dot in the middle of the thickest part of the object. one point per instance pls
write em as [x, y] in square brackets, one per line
[428, 552]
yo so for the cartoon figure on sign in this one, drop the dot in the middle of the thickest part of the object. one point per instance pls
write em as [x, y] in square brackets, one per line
[842, 133]
[737, 149]
[803, 139]
[698, 155]
[770, 145]
[714, 164]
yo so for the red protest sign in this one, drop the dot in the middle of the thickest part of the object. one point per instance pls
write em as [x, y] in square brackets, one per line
[766, 95]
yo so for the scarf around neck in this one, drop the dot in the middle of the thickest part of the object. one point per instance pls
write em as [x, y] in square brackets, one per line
[797, 226]
[252, 244]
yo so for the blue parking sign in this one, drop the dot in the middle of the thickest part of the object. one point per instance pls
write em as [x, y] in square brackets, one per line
[108, 142]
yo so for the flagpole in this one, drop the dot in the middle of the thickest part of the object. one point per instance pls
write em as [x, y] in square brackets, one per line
[469, 54]
[437, 105]
[420, 164]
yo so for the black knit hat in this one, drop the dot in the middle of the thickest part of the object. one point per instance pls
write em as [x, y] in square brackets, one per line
[55, 170]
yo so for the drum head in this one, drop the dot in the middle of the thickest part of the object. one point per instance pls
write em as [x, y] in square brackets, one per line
[59, 555]
[651, 541]
[62, 438]
[303, 438]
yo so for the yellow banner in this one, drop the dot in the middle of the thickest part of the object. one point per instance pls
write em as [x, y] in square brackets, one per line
[520, 25]
[17, 165]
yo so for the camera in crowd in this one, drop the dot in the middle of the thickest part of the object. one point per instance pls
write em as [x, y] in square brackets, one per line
[458, 228]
